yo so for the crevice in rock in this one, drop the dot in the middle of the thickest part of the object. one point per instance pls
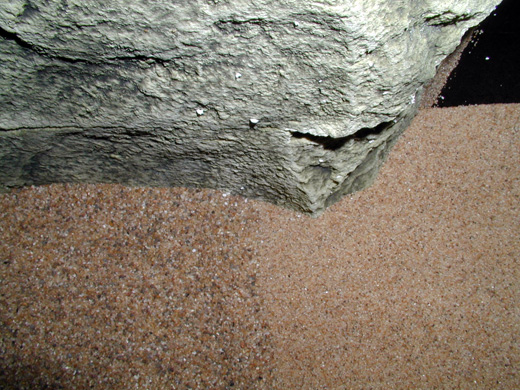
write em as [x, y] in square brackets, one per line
[371, 132]
[332, 143]
[9, 36]
[328, 143]
[447, 18]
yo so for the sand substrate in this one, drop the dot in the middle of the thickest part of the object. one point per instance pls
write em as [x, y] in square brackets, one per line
[413, 283]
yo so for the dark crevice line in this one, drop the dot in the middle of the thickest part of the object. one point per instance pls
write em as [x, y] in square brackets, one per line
[331, 143]
[10, 36]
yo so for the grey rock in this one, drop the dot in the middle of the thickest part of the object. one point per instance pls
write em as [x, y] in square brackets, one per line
[296, 103]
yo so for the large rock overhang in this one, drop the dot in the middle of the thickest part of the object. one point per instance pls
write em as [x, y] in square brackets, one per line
[297, 104]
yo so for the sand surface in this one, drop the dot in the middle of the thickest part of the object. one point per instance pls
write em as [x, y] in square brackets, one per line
[413, 283]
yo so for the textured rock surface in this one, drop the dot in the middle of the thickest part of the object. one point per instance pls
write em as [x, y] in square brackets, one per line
[295, 103]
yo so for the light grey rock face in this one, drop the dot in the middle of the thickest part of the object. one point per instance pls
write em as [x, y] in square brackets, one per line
[293, 102]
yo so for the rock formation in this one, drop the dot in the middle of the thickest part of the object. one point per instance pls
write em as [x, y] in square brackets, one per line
[296, 103]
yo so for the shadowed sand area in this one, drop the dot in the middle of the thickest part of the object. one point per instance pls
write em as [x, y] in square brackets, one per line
[412, 283]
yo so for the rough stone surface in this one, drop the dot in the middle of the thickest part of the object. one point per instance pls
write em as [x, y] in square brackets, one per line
[293, 102]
